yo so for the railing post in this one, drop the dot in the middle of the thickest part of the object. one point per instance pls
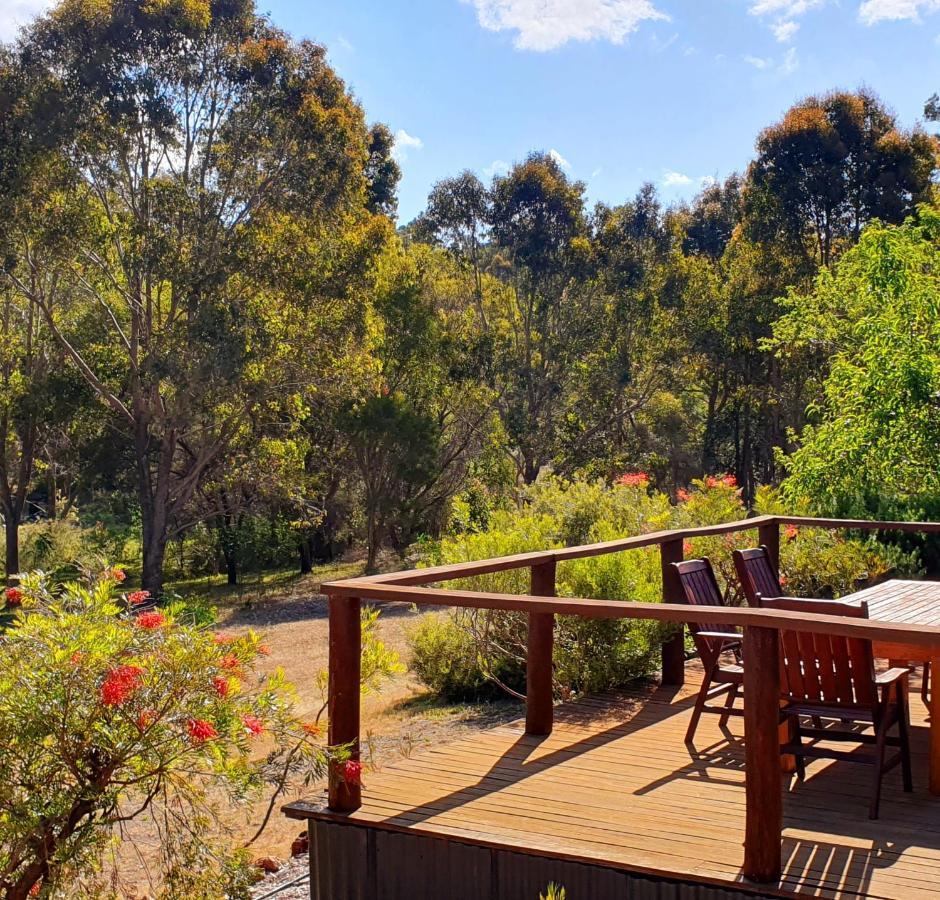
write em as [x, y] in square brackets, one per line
[541, 638]
[768, 534]
[673, 651]
[345, 661]
[764, 828]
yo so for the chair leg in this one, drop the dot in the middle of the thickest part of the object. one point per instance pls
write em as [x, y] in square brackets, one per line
[729, 704]
[797, 738]
[700, 701]
[925, 684]
[879, 766]
[904, 740]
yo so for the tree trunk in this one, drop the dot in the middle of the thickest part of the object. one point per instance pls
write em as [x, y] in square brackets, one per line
[231, 568]
[11, 527]
[306, 556]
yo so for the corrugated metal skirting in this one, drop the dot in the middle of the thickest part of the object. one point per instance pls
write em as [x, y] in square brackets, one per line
[348, 862]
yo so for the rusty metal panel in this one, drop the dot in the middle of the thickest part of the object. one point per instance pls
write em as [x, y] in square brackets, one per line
[350, 862]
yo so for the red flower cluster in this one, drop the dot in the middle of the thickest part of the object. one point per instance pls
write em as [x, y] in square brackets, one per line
[264, 649]
[14, 596]
[221, 685]
[683, 496]
[76, 658]
[352, 772]
[634, 479]
[151, 620]
[138, 597]
[686, 547]
[146, 719]
[253, 725]
[230, 663]
[791, 531]
[726, 480]
[200, 731]
[312, 729]
[120, 684]
[117, 574]
[222, 639]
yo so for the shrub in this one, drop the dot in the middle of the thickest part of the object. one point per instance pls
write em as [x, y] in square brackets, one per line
[106, 715]
[468, 652]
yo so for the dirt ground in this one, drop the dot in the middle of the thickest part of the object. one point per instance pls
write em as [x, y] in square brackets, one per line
[397, 719]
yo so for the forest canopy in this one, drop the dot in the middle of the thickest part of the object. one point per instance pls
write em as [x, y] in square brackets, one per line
[215, 334]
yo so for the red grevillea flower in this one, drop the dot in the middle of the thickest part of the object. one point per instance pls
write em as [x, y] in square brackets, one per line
[312, 729]
[230, 663]
[729, 481]
[783, 580]
[151, 620]
[222, 639]
[14, 596]
[253, 725]
[791, 531]
[200, 731]
[138, 597]
[634, 479]
[686, 547]
[146, 719]
[76, 658]
[120, 684]
[264, 649]
[221, 685]
[352, 772]
[117, 574]
[683, 495]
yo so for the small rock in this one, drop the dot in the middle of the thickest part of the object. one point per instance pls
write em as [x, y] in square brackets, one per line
[267, 864]
[300, 845]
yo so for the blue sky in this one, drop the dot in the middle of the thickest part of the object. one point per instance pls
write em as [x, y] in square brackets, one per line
[625, 91]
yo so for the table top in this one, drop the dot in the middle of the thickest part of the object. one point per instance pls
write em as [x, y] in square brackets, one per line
[900, 600]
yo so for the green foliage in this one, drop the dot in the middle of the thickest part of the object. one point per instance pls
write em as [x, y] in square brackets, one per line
[875, 441]
[554, 892]
[467, 652]
[106, 716]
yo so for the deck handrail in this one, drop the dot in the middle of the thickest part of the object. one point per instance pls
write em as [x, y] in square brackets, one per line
[760, 628]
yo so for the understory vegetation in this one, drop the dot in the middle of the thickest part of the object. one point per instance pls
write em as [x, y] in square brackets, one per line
[473, 653]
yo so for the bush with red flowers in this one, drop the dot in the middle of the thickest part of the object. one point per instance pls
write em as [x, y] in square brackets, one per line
[106, 715]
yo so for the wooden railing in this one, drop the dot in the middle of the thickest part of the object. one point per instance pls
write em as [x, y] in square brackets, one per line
[761, 628]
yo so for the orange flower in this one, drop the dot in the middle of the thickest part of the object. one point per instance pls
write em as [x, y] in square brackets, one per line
[253, 725]
[200, 731]
[146, 719]
[117, 574]
[138, 597]
[150, 620]
[264, 649]
[791, 531]
[312, 728]
[221, 685]
[683, 496]
[634, 479]
[76, 658]
[686, 547]
[14, 596]
[120, 684]
[230, 663]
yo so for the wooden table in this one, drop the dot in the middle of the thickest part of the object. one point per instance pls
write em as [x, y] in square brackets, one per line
[913, 603]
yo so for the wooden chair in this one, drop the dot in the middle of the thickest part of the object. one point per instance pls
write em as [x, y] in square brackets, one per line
[756, 573]
[759, 580]
[700, 588]
[833, 678]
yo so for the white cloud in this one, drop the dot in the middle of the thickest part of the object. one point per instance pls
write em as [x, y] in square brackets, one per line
[597, 172]
[547, 24]
[872, 11]
[16, 13]
[496, 167]
[345, 43]
[555, 155]
[758, 62]
[675, 179]
[403, 143]
[784, 30]
[790, 63]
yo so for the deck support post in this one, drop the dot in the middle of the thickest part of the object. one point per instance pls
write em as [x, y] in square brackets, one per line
[768, 534]
[345, 644]
[538, 704]
[764, 824]
[673, 650]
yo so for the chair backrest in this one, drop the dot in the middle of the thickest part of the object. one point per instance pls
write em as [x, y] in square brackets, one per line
[700, 588]
[825, 668]
[756, 573]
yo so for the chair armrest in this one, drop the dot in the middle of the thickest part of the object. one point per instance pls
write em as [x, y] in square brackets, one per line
[892, 676]
[724, 635]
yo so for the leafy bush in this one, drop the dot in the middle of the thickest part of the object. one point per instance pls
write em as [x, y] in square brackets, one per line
[464, 654]
[106, 716]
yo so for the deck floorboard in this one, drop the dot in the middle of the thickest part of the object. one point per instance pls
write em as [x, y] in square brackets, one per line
[615, 784]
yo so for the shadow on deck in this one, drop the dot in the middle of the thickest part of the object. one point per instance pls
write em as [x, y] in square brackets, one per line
[614, 803]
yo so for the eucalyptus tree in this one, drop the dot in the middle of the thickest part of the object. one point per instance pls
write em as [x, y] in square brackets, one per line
[223, 194]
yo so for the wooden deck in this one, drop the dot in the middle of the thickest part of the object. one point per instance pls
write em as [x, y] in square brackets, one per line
[615, 785]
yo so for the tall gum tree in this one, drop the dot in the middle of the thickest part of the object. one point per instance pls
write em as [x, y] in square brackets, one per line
[216, 171]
